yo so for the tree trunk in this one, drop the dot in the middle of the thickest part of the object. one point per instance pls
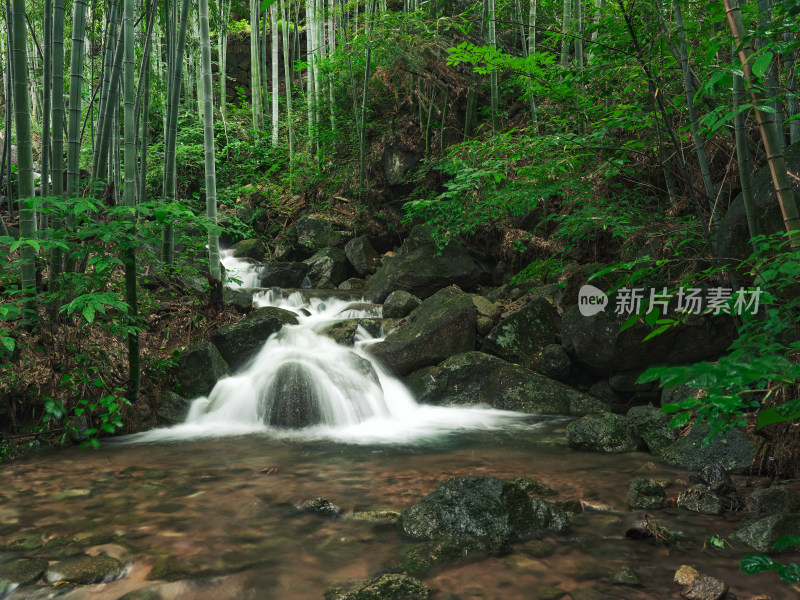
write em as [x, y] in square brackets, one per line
[766, 124]
[22, 121]
[129, 253]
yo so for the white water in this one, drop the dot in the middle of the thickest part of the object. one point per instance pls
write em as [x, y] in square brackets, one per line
[353, 406]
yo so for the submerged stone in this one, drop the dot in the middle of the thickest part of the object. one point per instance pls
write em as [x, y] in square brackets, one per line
[386, 587]
[85, 569]
[20, 572]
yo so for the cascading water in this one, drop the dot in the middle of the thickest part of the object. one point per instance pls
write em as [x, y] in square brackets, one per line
[302, 384]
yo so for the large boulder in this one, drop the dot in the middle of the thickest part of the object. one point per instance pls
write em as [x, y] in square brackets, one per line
[293, 398]
[733, 233]
[362, 255]
[475, 377]
[241, 341]
[199, 368]
[329, 263]
[733, 450]
[762, 534]
[399, 304]
[421, 268]
[596, 341]
[604, 432]
[652, 426]
[523, 334]
[283, 274]
[251, 248]
[316, 232]
[772, 500]
[172, 408]
[443, 325]
[483, 508]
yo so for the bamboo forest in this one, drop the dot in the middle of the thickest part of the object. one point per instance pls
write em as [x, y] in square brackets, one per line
[400, 300]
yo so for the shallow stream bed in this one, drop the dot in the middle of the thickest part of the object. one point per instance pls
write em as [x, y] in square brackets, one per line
[217, 519]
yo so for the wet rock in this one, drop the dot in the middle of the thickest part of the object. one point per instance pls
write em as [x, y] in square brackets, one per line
[597, 342]
[772, 500]
[314, 233]
[484, 508]
[705, 588]
[605, 432]
[85, 569]
[294, 399]
[240, 300]
[534, 488]
[172, 408]
[443, 325]
[652, 427]
[421, 268]
[647, 494]
[603, 391]
[241, 341]
[483, 325]
[733, 450]
[322, 507]
[672, 394]
[341, 332]
[685, 575]
[627, 383]
[425, 556]
[700, 499]
[523, 334]
[485, 307]
[199, 368]
[553, 362]
[283, 274]
[717, 479]
[362, 255]
[625, 575]
[352, 284]
[399, 304]
[475, 377]
[386, 587]
[328, 264]
[762, 534]
[252, 248]
[20, 572]
[375, 516]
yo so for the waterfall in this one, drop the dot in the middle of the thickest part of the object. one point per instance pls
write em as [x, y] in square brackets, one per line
[302, 384]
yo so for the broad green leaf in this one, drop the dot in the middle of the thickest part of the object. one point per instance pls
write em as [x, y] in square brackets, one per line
[8, 343]
[786, 541]
[88, 314]
[779, 414]
[756, 563]
[761, 64]
[789, 573]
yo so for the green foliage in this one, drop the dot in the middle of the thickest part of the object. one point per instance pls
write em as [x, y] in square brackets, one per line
[757, 563]
[760, 364]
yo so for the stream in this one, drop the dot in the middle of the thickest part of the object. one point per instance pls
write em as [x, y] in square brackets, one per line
[210, 509]
[217, 518]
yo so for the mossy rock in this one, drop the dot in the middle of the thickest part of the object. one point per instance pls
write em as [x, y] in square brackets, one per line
[85, 569]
